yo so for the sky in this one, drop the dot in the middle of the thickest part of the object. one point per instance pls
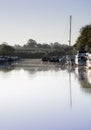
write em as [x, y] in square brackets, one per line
[45, 21]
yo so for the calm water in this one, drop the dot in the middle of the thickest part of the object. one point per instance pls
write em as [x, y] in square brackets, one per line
[45, 98]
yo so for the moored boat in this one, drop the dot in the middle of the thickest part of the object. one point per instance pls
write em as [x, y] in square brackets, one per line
[4, 59]
[81, 58]
[88, 62]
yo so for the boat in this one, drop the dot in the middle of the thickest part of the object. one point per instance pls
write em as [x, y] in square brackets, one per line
[88, 62]
[5, 59]
[81, 58]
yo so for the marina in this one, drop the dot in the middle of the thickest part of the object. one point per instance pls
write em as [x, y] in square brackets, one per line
[45, 65]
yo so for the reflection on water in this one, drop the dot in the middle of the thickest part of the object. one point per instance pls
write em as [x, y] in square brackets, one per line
[84, 77]
[45, 97]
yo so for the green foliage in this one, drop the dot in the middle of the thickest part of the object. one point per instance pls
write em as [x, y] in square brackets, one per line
[6, 49]
[32, 49]
[31, 43]
[29, 54]
[84, 40]
[38, 50]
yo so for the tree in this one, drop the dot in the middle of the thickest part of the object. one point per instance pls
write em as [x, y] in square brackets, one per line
[84, 40]
[56, 45]
[6, 49]
[45, 45]
[31, 43]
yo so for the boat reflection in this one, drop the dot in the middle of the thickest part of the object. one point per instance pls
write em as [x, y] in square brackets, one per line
[6, 68]
[84, 76]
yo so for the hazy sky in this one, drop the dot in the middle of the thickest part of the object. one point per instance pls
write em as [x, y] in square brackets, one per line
[42, 20]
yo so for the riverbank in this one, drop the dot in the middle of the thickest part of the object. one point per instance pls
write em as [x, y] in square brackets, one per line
[34, 63]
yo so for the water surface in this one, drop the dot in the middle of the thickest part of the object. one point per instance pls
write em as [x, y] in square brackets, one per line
[45, 98]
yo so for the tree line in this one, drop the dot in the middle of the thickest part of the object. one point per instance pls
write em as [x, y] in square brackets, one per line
[32, 49]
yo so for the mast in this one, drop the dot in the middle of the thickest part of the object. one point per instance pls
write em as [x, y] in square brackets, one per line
[70, 30]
